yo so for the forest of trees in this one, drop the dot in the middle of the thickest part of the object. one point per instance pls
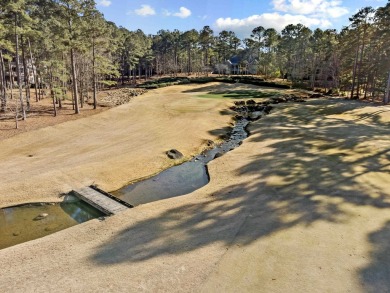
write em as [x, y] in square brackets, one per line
[67, 47]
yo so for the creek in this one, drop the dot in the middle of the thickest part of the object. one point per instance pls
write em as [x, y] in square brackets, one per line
[184, 178]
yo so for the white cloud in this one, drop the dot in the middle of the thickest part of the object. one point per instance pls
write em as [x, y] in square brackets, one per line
[104, 3]
[321, 8]
[182, 13]
[243, 27]
[166, 12]
[311, 13]
[145, 10]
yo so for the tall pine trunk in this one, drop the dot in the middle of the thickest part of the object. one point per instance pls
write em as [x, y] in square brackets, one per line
[74, 82]
[387, 93]
[123, 70]
[18, 70]
[94, 78]
[52, 93]
[354, 72]
[360, 65]
[26, 76]
[81, 90]
[34, 71]
[63, 83]
[189, 60]
[11, 79]
[3, 93]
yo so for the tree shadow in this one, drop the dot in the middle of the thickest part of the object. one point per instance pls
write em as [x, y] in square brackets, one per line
[305, 170]
[231, 92]
[244, 94]
[376, 276]
[374, 116]
[209, 88]
[226, 112]
[222, 132]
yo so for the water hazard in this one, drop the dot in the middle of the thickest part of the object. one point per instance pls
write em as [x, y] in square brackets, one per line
[31, 221]
[181, 179]
[175, 181]
[23, 223]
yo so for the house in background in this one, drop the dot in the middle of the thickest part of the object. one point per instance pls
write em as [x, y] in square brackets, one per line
[11, 73]
[237, 65]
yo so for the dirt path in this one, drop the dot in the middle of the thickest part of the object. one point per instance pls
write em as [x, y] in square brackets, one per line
[302, 206]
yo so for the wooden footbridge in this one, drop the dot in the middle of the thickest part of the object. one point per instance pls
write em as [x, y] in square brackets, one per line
[101, 200]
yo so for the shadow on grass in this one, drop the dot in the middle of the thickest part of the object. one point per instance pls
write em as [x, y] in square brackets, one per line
[222, 132]
[374, 116]
[376, 276]
[239, 94]
[214, 91]
[210, 88]
[306, 173]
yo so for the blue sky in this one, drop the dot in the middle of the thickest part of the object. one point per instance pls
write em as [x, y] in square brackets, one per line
[240, 16]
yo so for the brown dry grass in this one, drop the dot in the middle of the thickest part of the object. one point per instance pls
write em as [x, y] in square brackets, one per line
[110, 149]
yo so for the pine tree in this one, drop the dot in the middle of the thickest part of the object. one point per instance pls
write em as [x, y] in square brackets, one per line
[70, 18]
[206, 41]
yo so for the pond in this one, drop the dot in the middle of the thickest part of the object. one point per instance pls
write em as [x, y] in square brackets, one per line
[23, 223]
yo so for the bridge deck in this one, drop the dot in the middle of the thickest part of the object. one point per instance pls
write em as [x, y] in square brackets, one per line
[100, 201]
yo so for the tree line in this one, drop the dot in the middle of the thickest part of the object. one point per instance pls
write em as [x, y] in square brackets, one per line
[69, 48]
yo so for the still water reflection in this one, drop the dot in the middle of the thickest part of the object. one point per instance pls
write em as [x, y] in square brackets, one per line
[175, 181]
[20, 224]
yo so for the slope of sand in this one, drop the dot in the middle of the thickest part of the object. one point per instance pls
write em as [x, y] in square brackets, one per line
[302, 206]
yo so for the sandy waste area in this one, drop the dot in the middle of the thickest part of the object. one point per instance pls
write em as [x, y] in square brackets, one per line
[303, 205]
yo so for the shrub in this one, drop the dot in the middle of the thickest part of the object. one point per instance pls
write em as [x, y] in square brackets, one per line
[202, 79]
[184, 81]
[150, 86]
